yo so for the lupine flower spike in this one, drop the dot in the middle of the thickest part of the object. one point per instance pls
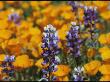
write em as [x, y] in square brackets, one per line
[73, 40]
[90, 19]
[50, 50]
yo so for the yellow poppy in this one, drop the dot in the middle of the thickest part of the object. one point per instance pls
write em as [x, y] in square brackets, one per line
[34, 3]
[87, 3]
[85, 35]
[44, 3]
[54, 13]
[34, 31]
[1, 74]
[19, 11]
[11, 27]
[80, 14]
[105, 15]
[13, 41]
[39, 63]
[64, 78]
[103, 49]
[100, 26]
[1, 5]
[57, 23]
[102, 39]
[23, 61]
[5, 34]
[2, 57]
[42, 21]
[65, 27]
[25, 25]
[3, 16]
[39, 48]
[10, 2]
[47, 10]
[35, 53]
[62, 32]
[105, 69]
[106, 55]
[36, 14]
[14, 49]
[3, 24]
[108, 38]
[105, 78]
[92, 67]
[4, 44]
[102, 5]
[1, 70]
[63, 70]
[65, 8]
[60, 45]
[91, 52]
[68, 15]
[26, 35]
[25, 5]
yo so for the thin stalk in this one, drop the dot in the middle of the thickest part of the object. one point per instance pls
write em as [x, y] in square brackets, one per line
[65, 53]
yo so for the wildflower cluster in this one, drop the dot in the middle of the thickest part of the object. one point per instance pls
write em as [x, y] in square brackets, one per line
[50, 50]
[74, 45]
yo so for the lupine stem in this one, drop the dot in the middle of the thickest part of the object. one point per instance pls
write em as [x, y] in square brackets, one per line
[91, 31]
[65, 53]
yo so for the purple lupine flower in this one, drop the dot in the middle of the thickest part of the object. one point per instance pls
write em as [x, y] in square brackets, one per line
[90, 19]
[78, 78]
[78, 74]
[50, 50]
[73, 40]
[74, 5]
[90, 16]
[14, 17]
[8, 63]
[9, 58]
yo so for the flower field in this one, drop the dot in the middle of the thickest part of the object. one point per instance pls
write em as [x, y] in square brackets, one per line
[54, 40]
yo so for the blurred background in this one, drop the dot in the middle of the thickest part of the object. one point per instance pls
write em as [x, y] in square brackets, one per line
[58, 13]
